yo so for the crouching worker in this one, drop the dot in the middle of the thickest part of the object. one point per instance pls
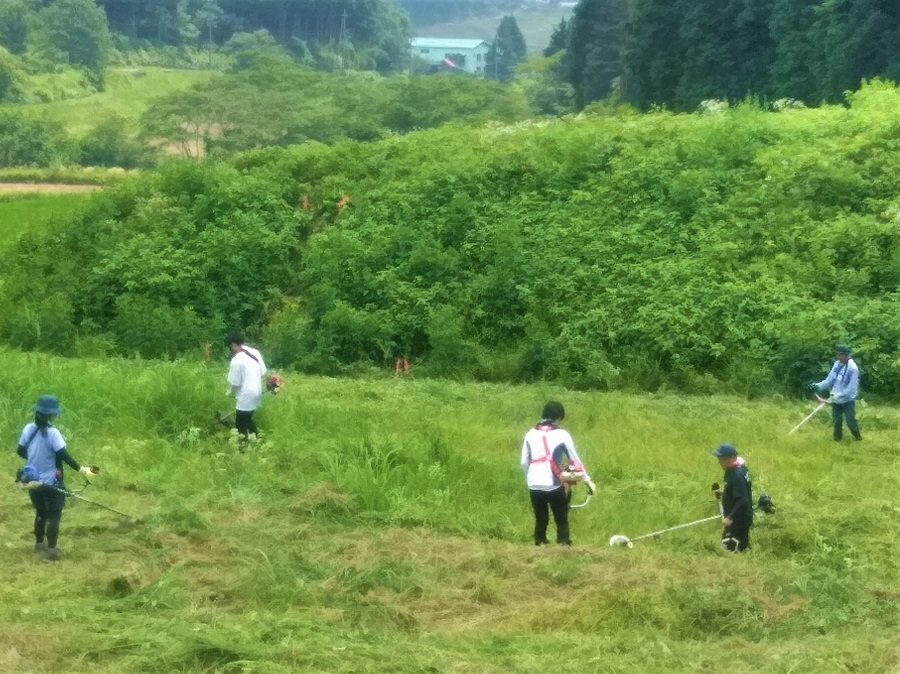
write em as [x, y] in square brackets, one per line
[546, 449]
[737, 499]
[44, 449]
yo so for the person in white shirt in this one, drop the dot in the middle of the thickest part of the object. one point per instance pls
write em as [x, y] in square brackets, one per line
[547, 451]
[245, 381]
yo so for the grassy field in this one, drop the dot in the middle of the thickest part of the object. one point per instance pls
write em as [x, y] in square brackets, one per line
[21, 212]
[536, 23]
[382, 525]
[127, 94]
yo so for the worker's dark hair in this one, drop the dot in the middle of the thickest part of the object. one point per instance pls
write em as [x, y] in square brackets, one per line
[234, 338]
[554, 410]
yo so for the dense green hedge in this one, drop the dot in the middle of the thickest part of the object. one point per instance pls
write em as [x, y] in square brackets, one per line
[729, 248]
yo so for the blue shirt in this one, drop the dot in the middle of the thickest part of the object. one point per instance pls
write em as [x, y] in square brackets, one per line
[42, 450]
[842, 381]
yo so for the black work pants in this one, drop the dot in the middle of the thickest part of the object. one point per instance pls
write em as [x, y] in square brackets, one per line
[48, 506]
[545, 502]
[243, 421]
[736, 539]
[838, 412]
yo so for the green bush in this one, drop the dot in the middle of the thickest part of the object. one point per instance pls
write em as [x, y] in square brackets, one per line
[108, 144]
[698, 252]
[31, 141]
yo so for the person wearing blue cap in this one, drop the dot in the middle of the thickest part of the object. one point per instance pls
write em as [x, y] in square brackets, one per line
[737, 499]
[843, 382]
[44, 449]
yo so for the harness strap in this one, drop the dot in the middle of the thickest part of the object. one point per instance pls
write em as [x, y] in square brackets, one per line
[548, 454]
[243, 350]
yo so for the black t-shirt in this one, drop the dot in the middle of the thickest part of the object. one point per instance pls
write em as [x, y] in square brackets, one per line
[737, 497]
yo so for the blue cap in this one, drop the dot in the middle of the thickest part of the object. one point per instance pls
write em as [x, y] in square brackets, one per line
[725, 449]
[48, 404]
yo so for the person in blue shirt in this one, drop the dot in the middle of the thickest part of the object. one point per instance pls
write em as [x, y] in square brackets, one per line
[843, 382]
[44, 449]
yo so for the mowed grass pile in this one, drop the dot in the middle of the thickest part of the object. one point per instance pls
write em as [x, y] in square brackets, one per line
[383, 526]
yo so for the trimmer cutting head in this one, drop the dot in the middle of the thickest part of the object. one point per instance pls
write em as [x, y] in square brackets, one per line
[619, 539]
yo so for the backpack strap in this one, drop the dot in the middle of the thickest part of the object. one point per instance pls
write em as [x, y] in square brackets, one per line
[256, 360]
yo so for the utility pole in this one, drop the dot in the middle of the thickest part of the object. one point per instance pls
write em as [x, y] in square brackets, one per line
[343, 38]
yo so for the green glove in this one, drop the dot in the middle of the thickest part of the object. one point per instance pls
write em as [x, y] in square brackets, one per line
[814, 387]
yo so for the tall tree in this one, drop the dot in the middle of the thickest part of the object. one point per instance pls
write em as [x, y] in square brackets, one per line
[594, 57]
[798, 67]
[873, 44]
[558, 39]
[507, 50]
[15, 19]
[753, 49]
[653, 52]
[76, 32]
[207, 17]
[709, 34]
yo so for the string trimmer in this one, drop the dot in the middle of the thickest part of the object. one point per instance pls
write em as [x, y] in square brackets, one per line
[619, 539]
[23, 476]
[573, 475]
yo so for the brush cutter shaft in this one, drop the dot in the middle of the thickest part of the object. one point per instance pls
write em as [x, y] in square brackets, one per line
[809, 416]
[680, 526]
[100, 505]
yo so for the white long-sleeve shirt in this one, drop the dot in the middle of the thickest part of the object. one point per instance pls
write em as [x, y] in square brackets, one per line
[543, 446]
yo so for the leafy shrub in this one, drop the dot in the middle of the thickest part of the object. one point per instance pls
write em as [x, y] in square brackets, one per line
[11, 76]
[108, 144]
[28, 141]
[155, 330]
[702, 252]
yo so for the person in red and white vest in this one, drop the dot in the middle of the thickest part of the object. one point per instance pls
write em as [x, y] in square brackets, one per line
[547, 452]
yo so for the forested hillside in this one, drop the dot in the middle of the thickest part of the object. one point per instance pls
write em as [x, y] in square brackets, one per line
[728, 248]
[680, 52]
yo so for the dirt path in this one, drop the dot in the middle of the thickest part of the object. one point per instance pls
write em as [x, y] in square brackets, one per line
[50, 188]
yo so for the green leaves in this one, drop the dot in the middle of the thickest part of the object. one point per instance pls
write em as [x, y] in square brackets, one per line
[695, 251]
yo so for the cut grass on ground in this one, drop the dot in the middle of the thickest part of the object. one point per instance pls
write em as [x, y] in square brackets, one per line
[383, 526]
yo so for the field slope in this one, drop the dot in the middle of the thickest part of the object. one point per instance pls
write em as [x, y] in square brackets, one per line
[382, 526]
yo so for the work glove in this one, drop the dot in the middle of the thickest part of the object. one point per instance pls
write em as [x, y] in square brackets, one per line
[813, 386]
[88, 471]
